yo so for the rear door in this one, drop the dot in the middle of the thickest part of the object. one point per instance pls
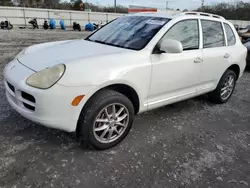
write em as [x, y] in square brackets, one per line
[216, 55]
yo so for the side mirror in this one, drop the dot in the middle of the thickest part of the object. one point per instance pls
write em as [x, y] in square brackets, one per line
[170, 46]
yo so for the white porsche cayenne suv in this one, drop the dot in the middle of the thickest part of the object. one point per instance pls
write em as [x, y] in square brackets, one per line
[136, 63]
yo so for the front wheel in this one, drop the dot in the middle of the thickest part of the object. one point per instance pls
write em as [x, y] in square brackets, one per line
[225, 88]
[106, 119]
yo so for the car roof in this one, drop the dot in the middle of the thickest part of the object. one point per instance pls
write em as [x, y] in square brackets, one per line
[184, 14]
[152, 14]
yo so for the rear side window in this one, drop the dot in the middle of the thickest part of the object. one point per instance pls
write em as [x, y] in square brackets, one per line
[186, 32]
[231, 40]
[213, 35]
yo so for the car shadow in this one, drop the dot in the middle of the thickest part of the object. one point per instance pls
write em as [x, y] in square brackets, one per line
[17, 126]
[14, 125]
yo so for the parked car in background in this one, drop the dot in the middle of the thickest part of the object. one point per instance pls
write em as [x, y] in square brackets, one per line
[244, 33]
[136, 63]
[247, 45]
[241, 30]
[237, 27]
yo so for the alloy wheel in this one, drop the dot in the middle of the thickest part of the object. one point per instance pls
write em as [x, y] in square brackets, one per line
[227, 87]
[111, 123]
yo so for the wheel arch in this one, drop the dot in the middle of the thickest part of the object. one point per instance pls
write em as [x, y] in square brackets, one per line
[215, 95]
[122, 88]
[236, 69]
[129, 92]
[126, 90]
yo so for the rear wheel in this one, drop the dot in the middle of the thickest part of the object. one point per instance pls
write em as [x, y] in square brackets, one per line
[106, 119]
[225, 88]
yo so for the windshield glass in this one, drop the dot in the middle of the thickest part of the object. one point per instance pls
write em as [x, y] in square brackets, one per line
[131, 32]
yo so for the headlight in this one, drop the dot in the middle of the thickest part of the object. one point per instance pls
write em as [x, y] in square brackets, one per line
[21, 53]
[46, 78]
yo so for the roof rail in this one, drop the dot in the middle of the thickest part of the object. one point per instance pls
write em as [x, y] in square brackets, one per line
[203, 14]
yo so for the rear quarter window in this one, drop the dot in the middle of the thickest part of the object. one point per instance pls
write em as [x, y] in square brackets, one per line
[231, 40]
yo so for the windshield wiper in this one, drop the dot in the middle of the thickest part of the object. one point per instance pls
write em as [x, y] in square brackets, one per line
[110, 44]
[102, 42]
[98, 41]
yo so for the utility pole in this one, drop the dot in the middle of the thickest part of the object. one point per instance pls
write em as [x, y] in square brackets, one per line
[86, 7]
[115, 6]
[166, 5]
[202, 4]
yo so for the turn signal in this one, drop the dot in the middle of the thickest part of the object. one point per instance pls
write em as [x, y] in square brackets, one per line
[77, 100]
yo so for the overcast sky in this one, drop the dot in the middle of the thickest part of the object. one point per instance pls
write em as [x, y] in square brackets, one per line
[181, 4]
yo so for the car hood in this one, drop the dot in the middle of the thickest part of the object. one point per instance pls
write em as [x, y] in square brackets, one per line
[45, 55]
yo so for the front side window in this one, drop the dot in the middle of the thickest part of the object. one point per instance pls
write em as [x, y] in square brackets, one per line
[231, 40]
[186, 32]
[131, 32]
[213, 35]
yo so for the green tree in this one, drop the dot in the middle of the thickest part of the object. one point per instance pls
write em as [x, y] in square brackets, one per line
[62, 4]
[76, 4]
[234, 11]
[6, 3]
[51, 3]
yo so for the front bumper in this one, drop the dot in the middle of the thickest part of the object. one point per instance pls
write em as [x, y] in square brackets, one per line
[51, 107]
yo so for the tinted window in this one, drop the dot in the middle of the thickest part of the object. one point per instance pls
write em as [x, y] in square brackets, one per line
[230, 35]
[132, 32]
[187, 32]
[213, 35]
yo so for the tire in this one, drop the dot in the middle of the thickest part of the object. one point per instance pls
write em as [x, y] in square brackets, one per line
[216, 95]
[95, 109]
[10, 27]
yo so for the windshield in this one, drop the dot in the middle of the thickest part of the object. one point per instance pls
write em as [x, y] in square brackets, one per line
[131, 32]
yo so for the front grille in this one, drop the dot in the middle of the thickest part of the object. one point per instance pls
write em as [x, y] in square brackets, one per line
[12, 88]
[20, 98]
[28, 97]
[32, 108]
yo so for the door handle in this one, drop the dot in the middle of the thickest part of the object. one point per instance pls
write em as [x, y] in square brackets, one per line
[198, 60]
[226, 55]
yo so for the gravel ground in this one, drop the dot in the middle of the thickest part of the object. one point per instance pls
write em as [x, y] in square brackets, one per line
[189, 144]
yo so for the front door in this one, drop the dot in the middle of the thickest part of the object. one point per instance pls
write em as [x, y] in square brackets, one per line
[175, 76]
